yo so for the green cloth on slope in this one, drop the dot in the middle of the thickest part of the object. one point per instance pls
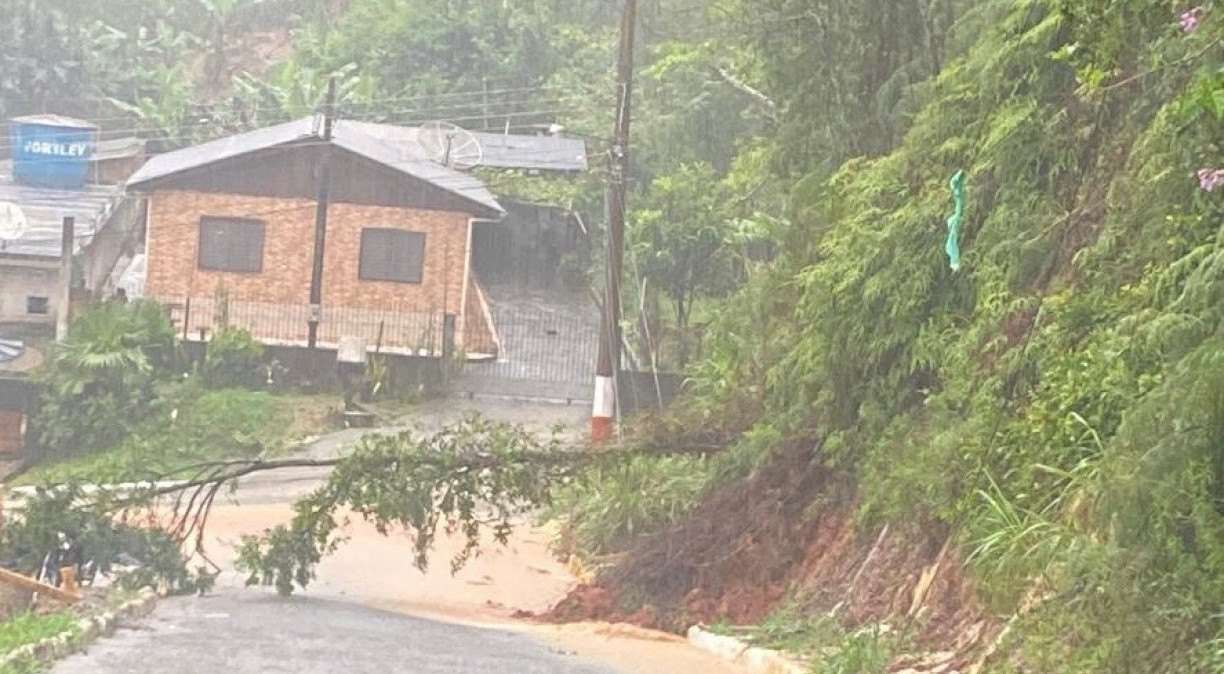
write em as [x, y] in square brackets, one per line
[954, 222]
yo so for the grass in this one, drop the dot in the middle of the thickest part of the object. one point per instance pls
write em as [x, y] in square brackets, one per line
[209, 426]
[821, 640]
[27, 628]
[607, 504]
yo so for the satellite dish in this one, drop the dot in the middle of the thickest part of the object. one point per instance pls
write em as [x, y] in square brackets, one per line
[13, 222]
[450, 145]
[11, 349]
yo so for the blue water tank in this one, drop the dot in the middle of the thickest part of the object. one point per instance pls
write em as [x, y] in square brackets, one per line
[52, 151]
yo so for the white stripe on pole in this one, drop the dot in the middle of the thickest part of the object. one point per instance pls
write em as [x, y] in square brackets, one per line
[605, 398]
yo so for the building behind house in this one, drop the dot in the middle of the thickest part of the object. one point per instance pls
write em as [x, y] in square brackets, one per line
[56, 169]
[57, 172]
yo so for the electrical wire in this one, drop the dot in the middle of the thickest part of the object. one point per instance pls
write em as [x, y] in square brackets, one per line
[479, 97]
[558, 108]
[280, 113]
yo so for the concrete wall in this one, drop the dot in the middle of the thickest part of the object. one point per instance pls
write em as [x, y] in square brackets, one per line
[117, 239]
[20, 279]
[317, 369]
[173, 244]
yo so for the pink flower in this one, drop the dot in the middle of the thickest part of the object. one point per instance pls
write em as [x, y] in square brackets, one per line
[1190, 20]
[1210, 179]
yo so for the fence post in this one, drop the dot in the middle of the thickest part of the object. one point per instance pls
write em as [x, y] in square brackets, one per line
[448, 336]
[448, 345]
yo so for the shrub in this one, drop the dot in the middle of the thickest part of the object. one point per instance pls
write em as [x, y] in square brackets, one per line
[197, 426]
[608, 503]
[233, 359]
[101, 381]
[99, 535]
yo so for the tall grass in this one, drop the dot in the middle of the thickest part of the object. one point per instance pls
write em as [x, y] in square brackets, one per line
[602, 508]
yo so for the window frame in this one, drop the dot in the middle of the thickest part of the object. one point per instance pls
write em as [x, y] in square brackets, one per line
[38, 305]
[365, 274]
[229, 268]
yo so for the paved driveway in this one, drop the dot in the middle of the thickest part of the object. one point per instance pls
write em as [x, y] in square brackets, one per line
[548, 348]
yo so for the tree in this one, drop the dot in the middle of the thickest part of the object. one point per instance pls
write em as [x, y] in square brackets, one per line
[678, 237]
[100, 381]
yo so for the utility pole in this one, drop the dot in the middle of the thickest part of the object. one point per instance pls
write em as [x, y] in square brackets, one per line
[322, 203]
[603, 414]
[64, 301]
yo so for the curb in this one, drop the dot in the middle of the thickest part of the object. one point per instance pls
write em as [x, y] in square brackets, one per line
[758, 660]
[88, 630]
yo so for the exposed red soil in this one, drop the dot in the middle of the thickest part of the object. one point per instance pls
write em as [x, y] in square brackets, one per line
[790, 529]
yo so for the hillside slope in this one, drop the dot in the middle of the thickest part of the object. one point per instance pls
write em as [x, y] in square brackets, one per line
[1039, 435]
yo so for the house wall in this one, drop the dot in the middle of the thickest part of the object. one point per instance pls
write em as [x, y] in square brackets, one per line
[173, 242]
[92, 266]
[533, 248]
[20, 279]
[11, 422]
[14, 404]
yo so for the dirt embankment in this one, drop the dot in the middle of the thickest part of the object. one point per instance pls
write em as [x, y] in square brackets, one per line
[789, 531]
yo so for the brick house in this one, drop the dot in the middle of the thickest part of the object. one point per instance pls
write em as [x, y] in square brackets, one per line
[231, 228]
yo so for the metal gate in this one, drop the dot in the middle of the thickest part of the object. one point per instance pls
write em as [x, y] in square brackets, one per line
[547, 350]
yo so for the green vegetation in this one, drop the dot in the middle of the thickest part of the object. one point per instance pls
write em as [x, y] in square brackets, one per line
[820, 638]
[29, 627]
[200, 427]
[114, 407]
[96, 523]
[464, 479]
[1057, 403]
[606, 505]
[102, 380]
[232, 359]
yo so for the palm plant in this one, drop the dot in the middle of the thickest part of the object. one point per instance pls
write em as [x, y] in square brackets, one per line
[100, 382]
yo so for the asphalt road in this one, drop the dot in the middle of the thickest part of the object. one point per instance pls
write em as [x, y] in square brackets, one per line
[256, 631]
[253, 630]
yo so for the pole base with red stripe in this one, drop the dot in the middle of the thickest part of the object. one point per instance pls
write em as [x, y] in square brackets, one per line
[603, 412]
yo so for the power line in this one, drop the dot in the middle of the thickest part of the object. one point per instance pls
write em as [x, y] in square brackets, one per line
[505, 109]
[477, 98]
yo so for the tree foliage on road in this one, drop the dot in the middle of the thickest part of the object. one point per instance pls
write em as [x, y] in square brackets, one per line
[477, 479]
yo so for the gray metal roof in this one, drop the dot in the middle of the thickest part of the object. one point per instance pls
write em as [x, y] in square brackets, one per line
[403, 159]
[392, 146]
[344, 135]
[45, 209]
[224, 148]
[511, 151]
[54, 120]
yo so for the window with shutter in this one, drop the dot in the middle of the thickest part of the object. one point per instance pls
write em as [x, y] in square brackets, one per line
[392, 255]
[231, 244]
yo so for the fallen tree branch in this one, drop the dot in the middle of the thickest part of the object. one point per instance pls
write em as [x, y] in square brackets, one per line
[243, 469]
[469, 479]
